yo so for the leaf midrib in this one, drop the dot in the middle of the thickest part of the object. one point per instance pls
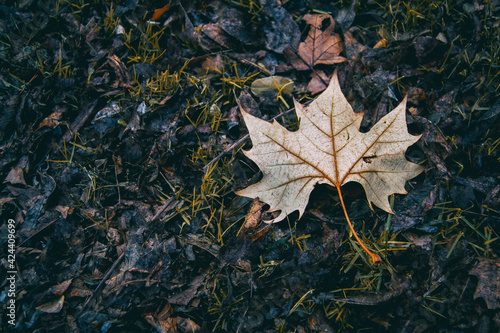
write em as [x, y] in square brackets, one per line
[324, 175]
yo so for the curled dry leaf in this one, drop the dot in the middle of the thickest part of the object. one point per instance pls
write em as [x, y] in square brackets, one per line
[160, 11]
[329, 149]
[53, 120]
[253, 217]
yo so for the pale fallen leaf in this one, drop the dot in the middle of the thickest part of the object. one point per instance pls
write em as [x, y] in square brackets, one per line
[329, 149]
[276, 84]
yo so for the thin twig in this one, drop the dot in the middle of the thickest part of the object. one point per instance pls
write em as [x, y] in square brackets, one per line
[100, 286]
[79, 122]
[260, 68]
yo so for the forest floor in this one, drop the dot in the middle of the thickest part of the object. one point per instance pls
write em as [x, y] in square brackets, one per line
[121, 145]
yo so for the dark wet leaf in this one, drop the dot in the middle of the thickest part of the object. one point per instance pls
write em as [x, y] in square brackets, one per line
[345, 17]
[493, 198]
[488, 274]
[411, 211]
[353, 48]
[15, 176]
[273, 85]
[185, 296]
[232, 22]
[482, 125]
[280, 29]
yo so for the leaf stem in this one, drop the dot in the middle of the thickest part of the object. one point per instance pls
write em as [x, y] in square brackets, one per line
[375, 257]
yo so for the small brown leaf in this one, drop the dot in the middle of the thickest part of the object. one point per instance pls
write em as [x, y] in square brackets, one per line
[211, 64]
[254, 215]
[60, 288]
[15, 176]
[160, 11]
[168, 325]
[318, 83]
[64, 210]
[488, 273]
[77, 292]
[52, 120]
[187, 325]
[320, 46]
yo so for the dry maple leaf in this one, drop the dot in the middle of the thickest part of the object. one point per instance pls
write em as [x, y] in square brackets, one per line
[329, 149]
[320, 46]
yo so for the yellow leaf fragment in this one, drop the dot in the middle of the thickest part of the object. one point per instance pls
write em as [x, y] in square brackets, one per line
[277, 84]
[54, 306]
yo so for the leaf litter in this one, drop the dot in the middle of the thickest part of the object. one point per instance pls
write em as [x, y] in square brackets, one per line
[123, 222]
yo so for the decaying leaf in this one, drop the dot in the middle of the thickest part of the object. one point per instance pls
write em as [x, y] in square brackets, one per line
[488, 274]
[329, 149]
[53, 120]
[318, 83]
[15, 176]
[272, 84]
[54, 306]
[320, 46]
[253, 217]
